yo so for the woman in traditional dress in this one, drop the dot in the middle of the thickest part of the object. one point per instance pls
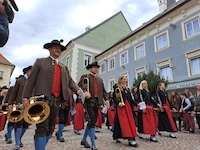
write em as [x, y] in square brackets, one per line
[124, 121]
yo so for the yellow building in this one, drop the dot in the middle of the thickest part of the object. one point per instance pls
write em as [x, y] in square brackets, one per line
[6, 70]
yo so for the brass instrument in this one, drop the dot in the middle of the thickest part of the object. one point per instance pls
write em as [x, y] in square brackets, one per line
[119, 95]
[16, 114]
[37, 111]
[4, 108]
[86, 84]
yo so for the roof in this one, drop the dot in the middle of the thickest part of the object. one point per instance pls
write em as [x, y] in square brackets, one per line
[146, 24]
[3, 60]
[92, 29]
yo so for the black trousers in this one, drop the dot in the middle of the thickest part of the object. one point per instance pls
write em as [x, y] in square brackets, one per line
[46, 127]
[63, 115]
[92, 111]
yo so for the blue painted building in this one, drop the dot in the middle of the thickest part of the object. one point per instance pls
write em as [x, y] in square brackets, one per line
[168, 44]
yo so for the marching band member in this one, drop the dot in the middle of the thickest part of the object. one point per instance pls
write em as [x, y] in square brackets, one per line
[93, 100]
[124, 125]
[52, 79]
[147, 117]
[16, 94]
[78, 116]
[10, 125]
[111, 112]
[165, 120]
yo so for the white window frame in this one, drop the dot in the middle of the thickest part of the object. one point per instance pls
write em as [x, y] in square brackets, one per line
[109, 66]
[135, 51]
[1, 74]
[84, 59]
[155, 41]
[189, 56]
[184, 32]
[121, 58]
[140, 70]
[163, 64]
[127, 77]
[67, 61]
[100, 69]
[110, 87]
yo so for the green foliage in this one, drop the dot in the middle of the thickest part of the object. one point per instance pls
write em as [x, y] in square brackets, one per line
[152, 79]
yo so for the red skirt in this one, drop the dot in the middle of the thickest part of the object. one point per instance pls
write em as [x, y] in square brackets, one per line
[111, 116]
[79, 117]
[2, 121]
[150, 121]
[169, 115]
[99, 119]
[126, 121]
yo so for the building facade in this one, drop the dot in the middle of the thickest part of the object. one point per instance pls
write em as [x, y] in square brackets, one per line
[168, 44]
[82, 49]
[6, 70]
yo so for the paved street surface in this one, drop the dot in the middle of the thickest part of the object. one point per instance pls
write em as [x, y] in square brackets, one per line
[184, 141]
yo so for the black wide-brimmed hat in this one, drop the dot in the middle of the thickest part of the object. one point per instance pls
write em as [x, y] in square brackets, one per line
[26, 69]
[92, 65]
[54, 42]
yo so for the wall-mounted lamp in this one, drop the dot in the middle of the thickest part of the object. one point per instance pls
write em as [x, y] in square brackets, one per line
[172, 25]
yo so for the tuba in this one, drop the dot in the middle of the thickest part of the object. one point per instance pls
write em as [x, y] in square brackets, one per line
[16, 114]
[37, 111]
[86, 84]
[4, 108]
[119, 95]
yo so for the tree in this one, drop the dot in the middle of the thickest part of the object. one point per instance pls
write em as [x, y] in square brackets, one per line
[152, 79]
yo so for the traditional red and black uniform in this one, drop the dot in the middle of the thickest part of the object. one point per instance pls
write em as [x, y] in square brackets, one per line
[124, 125]
[147, 121]
[111, 113]
[79, 115]
[165, 120]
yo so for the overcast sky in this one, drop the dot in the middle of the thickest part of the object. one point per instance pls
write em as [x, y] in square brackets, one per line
[41, 21]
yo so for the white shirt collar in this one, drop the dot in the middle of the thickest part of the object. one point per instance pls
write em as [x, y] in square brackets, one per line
[54, 59]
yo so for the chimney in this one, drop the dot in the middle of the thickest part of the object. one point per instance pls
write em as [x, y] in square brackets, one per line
[87, 28]
[164, 4]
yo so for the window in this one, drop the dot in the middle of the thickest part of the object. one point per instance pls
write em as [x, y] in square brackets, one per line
[195, 66]
[123, 58]
[139, 51]
[111, 64]
[164, 69]
[67, 62]
[1, 74]
[111, 83]
[193, 62]
[102, 68]
[140, 71]
[192, 27]
[87, 60]
[165, 72]
[161, 41]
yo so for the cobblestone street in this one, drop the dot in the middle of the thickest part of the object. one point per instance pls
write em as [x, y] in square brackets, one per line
[184, 141]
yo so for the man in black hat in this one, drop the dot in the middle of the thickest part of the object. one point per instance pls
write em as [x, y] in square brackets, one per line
[52, 79]
[6, 16]
[15, 98]
[95, 97]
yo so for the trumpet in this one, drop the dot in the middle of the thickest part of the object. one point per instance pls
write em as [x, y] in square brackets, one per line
[37, 111]
[119, 95]
[16, 114]
[86, 84]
